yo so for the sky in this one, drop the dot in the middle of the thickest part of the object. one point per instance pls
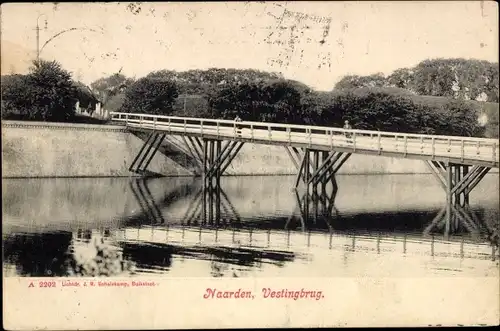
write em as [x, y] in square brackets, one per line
[314, 42]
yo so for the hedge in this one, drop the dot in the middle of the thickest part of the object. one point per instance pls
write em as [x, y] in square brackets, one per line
[384, 109]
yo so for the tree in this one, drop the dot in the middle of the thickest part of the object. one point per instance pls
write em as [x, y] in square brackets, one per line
[401, 78]
[12, 88]
[271, 101]
[355, 81]
[115, 102]
[201, 82]
[372, 109]
[319, 108]
[108, 87]
[464, 79]
[47, 93]
[189, 105]
[282, 98]
[227, 101]
[150, 96]
[492, 88]
[302, 88]
[434, 77]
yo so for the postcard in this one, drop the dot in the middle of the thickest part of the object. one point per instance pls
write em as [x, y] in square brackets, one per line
[285, 164]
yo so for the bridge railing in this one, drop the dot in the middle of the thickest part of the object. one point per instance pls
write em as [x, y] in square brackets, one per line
[381, 141]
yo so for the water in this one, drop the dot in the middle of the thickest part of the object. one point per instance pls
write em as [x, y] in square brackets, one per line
[379, 225]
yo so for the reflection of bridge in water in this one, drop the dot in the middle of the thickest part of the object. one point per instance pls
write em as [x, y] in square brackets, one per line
[211, 220]
[210, 206]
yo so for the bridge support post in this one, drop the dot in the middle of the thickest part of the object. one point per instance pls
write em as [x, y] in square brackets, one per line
[451, 218]
[216, 159]
[146, 201]
[314, 209]
[457, 182]
[312, 172]
[207, 207]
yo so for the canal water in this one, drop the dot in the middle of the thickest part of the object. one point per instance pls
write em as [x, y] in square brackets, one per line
[370, 226]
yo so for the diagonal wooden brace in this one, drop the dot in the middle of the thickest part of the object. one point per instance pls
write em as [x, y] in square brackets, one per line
[436, 173]
[292, 157]
[231, 157]
[317, 174]
[466, 180]
[146, 143]
[221, 158]
[144, 166]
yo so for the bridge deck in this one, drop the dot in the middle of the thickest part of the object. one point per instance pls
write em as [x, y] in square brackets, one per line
[454, 149]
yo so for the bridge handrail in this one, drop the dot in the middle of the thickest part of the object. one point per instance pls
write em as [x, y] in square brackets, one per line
[312, 127]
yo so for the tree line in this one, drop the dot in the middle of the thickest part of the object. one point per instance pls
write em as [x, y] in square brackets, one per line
[368, 102]
[435, 97]
[463, 79]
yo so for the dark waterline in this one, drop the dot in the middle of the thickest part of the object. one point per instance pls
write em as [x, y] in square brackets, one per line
[254, 226]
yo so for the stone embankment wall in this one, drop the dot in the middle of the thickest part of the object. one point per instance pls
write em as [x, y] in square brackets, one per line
[32, 149]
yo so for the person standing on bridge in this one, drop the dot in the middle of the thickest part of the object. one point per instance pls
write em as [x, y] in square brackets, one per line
[238, 127]
[348, 135]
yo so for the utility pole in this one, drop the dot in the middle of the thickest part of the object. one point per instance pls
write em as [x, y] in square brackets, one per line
[38, 35]
[37, 42]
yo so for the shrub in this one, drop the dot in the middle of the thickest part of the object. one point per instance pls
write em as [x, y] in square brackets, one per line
[459, 118]
[150, 96]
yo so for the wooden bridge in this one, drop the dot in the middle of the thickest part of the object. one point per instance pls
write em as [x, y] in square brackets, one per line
[458, 163]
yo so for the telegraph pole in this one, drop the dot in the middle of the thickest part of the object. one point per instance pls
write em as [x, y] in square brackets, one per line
[37, 42]
[38, 35]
